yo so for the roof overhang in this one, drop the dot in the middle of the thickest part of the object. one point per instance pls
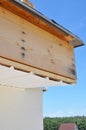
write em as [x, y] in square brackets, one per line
[35, 17]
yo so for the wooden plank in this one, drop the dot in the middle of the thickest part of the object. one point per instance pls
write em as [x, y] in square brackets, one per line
[41, 73]
[34, 19]
[27, 44]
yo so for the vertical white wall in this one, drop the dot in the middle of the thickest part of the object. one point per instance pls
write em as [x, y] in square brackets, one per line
[20, 109]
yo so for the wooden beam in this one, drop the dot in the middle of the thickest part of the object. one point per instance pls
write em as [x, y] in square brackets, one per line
[41, 73]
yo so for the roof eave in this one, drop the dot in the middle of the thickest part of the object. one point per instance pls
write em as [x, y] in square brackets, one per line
[74, 40]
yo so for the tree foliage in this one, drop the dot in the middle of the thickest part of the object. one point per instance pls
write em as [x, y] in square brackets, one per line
[54, 123]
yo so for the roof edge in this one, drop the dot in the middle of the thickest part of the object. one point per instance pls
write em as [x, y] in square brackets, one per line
[75, 41]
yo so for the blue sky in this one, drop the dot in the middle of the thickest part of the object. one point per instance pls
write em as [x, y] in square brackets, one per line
[67, 101]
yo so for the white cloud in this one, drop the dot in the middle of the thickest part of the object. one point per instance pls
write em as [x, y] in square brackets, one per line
[66, 114]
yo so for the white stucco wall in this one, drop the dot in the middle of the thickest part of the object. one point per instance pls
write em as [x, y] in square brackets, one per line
[20, 109]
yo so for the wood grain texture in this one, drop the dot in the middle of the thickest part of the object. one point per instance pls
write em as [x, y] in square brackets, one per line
[36, 20]
[27, 44]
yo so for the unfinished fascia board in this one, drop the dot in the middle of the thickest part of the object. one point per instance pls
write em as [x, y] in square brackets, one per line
[25, 11]
[34, 43]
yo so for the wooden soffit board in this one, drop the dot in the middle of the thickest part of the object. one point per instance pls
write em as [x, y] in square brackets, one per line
[30, 48]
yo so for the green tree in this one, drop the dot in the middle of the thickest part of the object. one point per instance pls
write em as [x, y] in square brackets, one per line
[54, 123]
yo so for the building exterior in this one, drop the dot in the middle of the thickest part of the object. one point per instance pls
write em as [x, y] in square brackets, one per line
[68, 126]
[32, 53]
[27, 32]
[20, 109]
